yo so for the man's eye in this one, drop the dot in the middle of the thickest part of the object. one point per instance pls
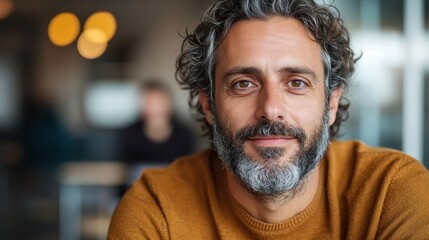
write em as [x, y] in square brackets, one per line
[297, 84]
[243, 84]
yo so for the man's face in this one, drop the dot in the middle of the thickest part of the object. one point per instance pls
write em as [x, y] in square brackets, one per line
[270, 102]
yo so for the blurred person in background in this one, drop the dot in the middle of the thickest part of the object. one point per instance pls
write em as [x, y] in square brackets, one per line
[157, 138]
[266, 78]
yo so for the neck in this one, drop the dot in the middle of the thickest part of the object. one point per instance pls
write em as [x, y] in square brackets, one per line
[275, 209]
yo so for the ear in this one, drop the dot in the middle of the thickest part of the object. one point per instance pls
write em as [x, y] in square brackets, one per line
[333, 105]
[203, 98]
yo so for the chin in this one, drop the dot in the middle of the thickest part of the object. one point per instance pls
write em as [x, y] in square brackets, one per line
[270, 156]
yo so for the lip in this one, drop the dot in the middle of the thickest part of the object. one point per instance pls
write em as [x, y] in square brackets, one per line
[270, 140]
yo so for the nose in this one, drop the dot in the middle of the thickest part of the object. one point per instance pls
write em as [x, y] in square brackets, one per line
[271, 103]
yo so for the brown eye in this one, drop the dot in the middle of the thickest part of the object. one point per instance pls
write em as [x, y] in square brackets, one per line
[243, 84]
[296, 83]
[244, 87]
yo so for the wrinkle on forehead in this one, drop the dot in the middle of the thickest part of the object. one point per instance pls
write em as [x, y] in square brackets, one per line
[276, 42]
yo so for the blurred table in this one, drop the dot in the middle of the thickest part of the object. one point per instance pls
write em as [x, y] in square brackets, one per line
[75, 176]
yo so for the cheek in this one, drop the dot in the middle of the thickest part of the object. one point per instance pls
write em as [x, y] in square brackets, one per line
[228, 113]
[234, 114]
[308, 116]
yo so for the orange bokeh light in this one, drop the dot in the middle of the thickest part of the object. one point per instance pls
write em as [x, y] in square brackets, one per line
[63, 29]
[100, 27]
[89, 49]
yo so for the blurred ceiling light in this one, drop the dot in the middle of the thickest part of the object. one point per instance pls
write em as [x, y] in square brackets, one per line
[89, 49]
[63, 29]
[95, 35]
[6, 7]
[100, 27]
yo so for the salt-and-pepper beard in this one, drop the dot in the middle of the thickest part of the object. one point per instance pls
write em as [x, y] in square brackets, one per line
[268, 179]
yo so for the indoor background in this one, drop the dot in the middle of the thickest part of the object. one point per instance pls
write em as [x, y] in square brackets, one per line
[62, 102]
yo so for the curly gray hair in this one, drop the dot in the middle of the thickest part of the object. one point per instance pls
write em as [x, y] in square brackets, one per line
[197, 61]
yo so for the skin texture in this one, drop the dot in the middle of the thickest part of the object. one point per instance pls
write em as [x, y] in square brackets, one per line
[270, 70]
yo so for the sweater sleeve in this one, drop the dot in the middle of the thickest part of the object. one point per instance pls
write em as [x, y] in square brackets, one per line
[138, 216]
[405, 213]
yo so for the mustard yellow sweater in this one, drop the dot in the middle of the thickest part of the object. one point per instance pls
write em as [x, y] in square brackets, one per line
[363, 193]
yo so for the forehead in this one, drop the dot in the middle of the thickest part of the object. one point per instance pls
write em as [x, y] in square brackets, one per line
[274, 41]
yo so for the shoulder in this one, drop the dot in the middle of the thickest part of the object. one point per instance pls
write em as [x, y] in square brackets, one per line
[386, 186]
[357, 156]
[154, 201]
[357, 148]
[355, 170]
[358, 162]
[184, 173]
[180, 179]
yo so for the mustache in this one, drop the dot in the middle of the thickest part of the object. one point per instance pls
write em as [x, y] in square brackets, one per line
[271, 128]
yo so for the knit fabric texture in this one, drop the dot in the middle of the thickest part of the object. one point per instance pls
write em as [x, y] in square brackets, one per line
[363, 193]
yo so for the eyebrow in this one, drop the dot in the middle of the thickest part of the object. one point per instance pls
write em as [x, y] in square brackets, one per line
[241, 71]
[299, 70]
[255, 71]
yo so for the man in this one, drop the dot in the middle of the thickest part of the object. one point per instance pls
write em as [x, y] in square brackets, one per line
[269, 76]
[145, 141]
